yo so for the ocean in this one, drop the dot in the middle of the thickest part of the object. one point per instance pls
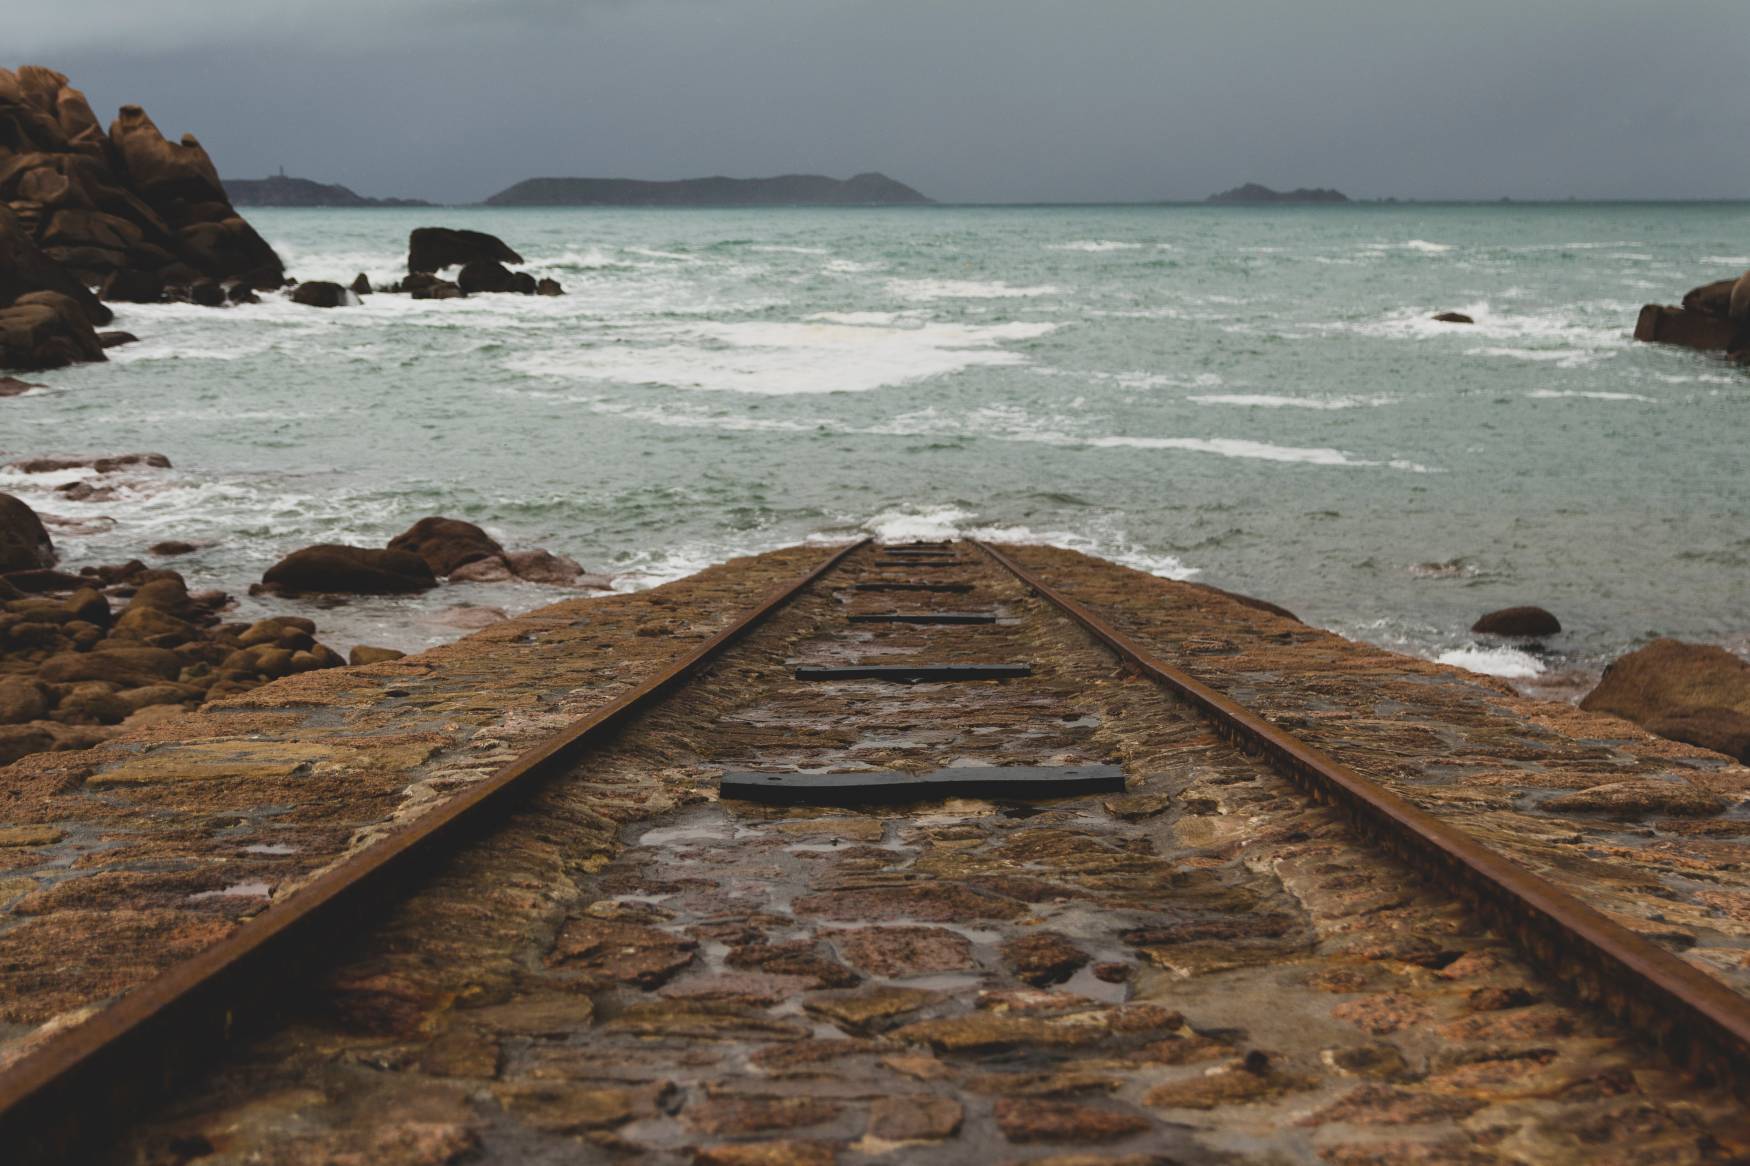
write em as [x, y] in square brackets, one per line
[1253, 398]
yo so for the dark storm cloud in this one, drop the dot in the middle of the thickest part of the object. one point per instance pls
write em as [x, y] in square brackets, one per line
[1003, 100]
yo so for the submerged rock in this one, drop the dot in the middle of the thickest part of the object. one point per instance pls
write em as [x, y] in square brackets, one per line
[1453, 318]
[1518, 621]
[542, 566]
[1695, 693]
[332, 568]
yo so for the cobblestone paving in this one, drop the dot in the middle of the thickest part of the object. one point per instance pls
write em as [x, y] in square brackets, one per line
[1202, 969]
[118, 861]
[1653, 833]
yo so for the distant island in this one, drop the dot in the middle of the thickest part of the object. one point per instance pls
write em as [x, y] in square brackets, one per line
[280, 190]
[784, 190]
[1252, 192]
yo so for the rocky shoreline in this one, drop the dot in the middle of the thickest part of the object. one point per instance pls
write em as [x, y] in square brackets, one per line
[141, 219]
[92, 652]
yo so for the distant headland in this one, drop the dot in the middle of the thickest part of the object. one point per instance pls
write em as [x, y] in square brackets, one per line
[1252, 192]
[784, 190]
[280, 190]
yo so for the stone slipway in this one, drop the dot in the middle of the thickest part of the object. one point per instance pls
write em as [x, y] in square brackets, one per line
[116, 862]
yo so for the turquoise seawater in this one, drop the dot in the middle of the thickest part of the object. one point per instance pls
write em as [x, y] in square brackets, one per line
[1254, 398]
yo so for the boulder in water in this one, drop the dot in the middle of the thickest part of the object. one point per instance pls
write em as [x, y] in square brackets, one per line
[485, 275]
[435, 248]
[1695, 693]
[12, 386]
[542, 566]
[361, 284]
[446, 543]
[320, 293]
[549, 287]
[331, 568]
[46, 329]
[1659, 324]
[1453, 318]
[1518, 621]
[1738, 307]
[116, 339]
[24, 544]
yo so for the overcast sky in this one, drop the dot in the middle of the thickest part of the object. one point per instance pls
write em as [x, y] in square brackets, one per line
[968, 100]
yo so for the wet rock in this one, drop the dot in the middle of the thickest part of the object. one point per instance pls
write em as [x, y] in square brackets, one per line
[1518, 621]
[493, 570]
[628, 952]
[24, 543]
[1695, 693]
[320, 293]
[101, 463]
[784, 1152]
[44, 330]
[365, 654]
[336, 569]
[431, 249]
[1038, 1120]
[170, 548]
[116, 339]
[1640, 799]
[132, 286]
[1453, 318]
[361, 284]
[800, 957]
[870, 1010]
[929, 902]
[18, 741]
[208, 293]
[22, 700]
[1687, 329]
[441, 289]
[984, 1032]
[1388, 1105]
[1043, 957]
[541, 566]
[446, 543]
[918, 1118]
[486, 275]
[13, 387]
[129, 666]
[1235, 1084]
[892, 952]
[757, 1115]
[563, 1107]
[549, 287]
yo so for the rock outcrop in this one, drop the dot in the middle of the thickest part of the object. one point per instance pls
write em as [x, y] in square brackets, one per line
[1695, 693]
[336, 569]
[126, 211]
[431, 249]
[1714, 317]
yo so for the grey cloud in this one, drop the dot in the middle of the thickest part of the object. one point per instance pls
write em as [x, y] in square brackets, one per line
[966, 99]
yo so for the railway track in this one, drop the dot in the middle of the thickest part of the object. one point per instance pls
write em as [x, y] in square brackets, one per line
[986, 971]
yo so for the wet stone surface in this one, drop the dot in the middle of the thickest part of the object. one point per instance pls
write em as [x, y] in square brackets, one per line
[1205, 969]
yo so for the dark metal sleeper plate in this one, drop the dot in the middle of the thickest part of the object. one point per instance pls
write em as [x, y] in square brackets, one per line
[914, 586]
[1007, 781]
[923, 617]
[913, 673]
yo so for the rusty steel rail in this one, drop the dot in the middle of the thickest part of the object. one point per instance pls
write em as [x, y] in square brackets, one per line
[83, 1083]
[1701, 1022]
